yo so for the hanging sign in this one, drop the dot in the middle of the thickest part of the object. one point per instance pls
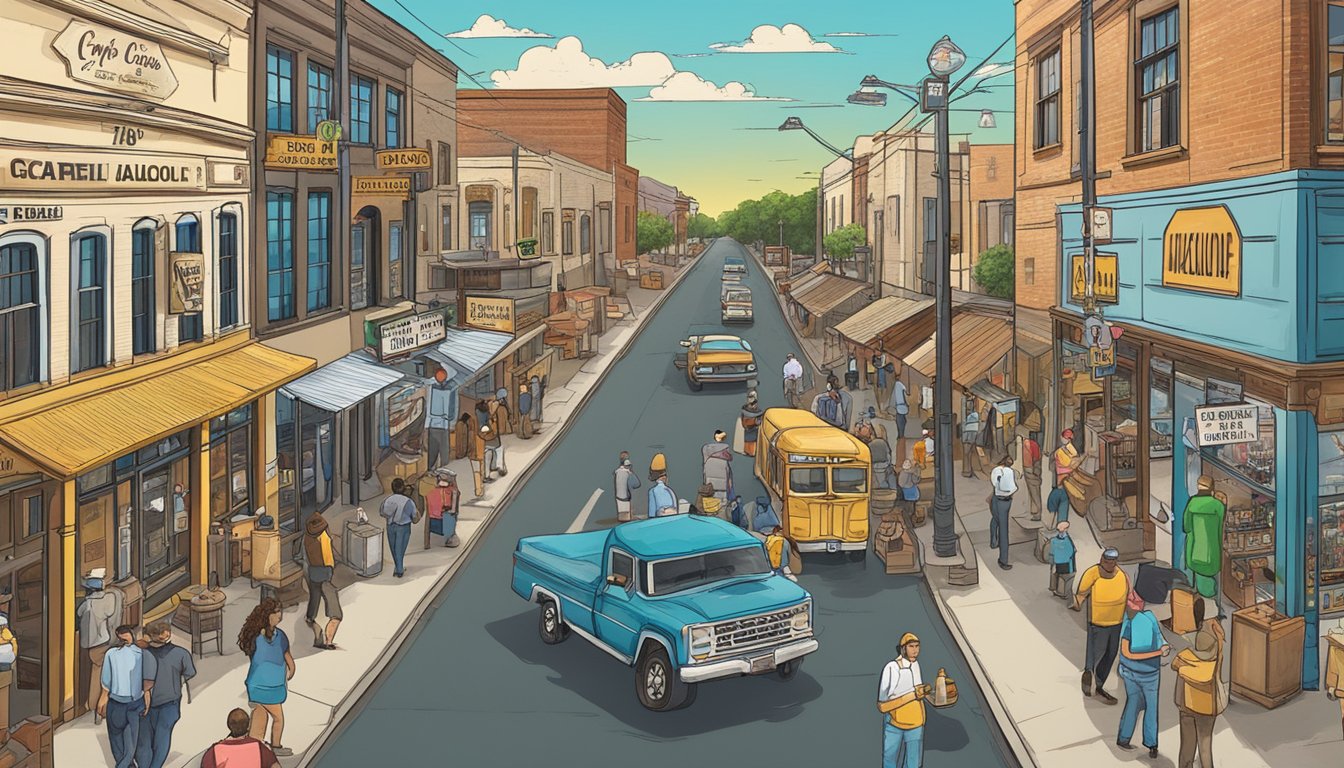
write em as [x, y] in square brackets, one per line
[115, 60]
[329, 130]
[490, 314]
[400, 336]
[308, 153]
[1227, 424]
[1100, 219]
[1105, 280]
[527, 249]
[188, 280]
[381, 186]
[410, 159]
[1201, 251]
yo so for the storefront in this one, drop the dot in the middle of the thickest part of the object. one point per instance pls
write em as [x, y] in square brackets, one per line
[1227, 366]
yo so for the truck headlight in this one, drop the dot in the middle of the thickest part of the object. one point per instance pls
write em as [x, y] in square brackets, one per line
[751, 366]
[702, 642]
[704, 369]
[802, 620]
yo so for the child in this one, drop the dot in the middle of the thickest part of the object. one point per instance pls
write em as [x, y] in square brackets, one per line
[707, 502]
[1062, 562]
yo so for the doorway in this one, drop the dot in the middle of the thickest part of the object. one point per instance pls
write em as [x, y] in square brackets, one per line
[479, 216]
[1187, 464]
[365, 261]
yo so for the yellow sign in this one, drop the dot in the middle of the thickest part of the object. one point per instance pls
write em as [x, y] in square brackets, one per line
[395, 186]
[1201, 251]
[300, 153]
[1100, 358]
[410, 159]
[490, 314]
[1106, 281]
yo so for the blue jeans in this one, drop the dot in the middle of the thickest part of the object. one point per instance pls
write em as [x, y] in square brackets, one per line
[156, 737]
[1140, 693]
[895, 739]
[900, 426]
[123, 729]
[398, 539]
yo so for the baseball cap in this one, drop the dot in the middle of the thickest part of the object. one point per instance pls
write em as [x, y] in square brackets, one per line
[1110, 553]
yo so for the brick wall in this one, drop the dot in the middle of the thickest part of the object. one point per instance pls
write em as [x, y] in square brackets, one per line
[587, 124]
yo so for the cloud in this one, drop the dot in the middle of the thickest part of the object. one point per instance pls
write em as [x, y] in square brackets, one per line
[567, 66]
[489, 26]
[768, 38]
[688, 86]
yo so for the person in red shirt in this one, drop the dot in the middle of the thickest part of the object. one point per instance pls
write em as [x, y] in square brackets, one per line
[239, 750]
[1031, 467]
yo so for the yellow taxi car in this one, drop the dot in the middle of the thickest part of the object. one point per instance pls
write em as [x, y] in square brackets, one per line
[716, 358]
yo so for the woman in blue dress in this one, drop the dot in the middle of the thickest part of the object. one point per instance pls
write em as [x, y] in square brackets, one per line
[268, 675]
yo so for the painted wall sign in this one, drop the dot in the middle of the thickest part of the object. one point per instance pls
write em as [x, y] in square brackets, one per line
[71, 170]
[115, 60]
[394, 186]
[1106, 281]
[187, 296]
[490, 314]
[1201, 251]
[403, 160]
[18, 214]
[11, 463]
[479, 193]
[1227, 424]
[401, 336]
[289, 152]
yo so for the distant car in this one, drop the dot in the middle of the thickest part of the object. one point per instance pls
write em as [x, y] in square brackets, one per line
[683, 599]
[735, 303]
[735, 264]
[716, 358]
[732, 277]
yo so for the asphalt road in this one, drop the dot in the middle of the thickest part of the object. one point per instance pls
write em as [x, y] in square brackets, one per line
[475, 686]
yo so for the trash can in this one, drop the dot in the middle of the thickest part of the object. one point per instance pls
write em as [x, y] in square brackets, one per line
[364, 548]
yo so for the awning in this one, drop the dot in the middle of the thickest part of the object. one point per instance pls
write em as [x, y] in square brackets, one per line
[828, 293]
[471, 350]
[342, 383]
[978, 342]
[1034, 333]
[991, 393]
[78, 433]
[870, 325]
[805, 281]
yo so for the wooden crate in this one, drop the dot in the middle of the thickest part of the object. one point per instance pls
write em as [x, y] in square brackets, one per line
[651, 279]
[1267, 655]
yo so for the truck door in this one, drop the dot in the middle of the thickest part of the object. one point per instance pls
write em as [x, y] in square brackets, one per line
[615, 614]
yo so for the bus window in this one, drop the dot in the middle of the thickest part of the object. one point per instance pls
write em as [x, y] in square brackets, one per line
[807, 480]
[849, 480]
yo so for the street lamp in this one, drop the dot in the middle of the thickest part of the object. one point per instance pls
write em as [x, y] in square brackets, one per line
[987, 119]
[796, 124]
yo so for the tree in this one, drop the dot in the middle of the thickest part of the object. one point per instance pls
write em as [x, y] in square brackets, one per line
[702, 225]
[754, 220]
[841, 242]
[652, 232]
[994, 271]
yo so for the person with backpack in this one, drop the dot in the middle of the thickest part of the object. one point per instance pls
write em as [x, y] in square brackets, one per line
[239, 750]
[827, 407]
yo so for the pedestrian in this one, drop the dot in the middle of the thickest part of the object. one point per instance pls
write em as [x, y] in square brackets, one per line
[1201, 695]
[1142, 648]
[1067, 457]
[970, 439]
[270, 668]
[846, 401]
[524, 412]
[900, 697]
[737, 514]
[764, 518]
[1031, 471]
[98, 615]
[879, 452]
[174, 666]
[626, 483]
[476, 457]
[657, 466]
[321, 568]
[863, 429]
[793, 380]
[127, 677]
[852, 372]
[908, 484]
[442, 505]
[400, 512]
[718, 471]
[1202, 523]
[750, 418]
[921, 451]
[534, 389]
[827, 407]
[482, 417]
[662, 501]
[439, 424]
[1063, 561]
[777, 549]
[1004, 483]
[499, 426]
[707, 502]
[539, 403]
[880, 379]
[503, 414]
[899, 403]
[1058, 503]
[1106, 587]
[239, 750]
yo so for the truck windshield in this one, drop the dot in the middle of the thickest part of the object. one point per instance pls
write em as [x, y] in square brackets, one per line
[686, 573]
[807, 480]
[849, 480]
[739, 296]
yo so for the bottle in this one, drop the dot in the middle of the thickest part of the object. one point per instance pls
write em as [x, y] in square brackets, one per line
[940, 689]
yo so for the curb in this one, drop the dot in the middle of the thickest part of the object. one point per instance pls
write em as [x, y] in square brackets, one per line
[399, 642]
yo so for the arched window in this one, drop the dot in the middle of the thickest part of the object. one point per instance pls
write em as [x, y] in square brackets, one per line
[188, 238]
[89, 253]
[144, 263]
[22, 258]
[228, 270]
[585, 234]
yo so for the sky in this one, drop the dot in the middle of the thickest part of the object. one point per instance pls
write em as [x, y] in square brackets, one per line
[707, 83]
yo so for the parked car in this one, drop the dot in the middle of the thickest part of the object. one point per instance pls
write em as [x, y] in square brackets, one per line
[735, 264]
[683, 599]
[731, 277]
[716, 358]
[735, 303]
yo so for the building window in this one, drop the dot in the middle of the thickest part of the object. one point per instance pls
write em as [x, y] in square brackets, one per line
[441, 279]
[279, 255]
[319, 250]
[361, 110]
[228, 270]
[231, 464]
[445, 226]
[894, 214]
[1029, 271]
[548, 232]
[479, 214]
[1047, 100]
[585, 234]
[1159, 81]
[529, 213]
[319, 95]
[604, 230]
[392, 117]
[188, 237]
[21, 294]
[567, 232]
[396, 286]
[143, 289]
[279, 89]
[1334, 113]
[91, 302]
[445, 163]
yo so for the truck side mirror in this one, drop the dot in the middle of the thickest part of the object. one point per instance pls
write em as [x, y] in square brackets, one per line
[618, 580]
[685, 343]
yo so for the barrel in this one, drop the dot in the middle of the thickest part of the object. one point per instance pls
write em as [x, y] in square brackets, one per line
[883, 500]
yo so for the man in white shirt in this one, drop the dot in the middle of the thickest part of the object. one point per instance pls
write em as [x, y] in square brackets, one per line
[900, 698]
[793, 379]
[1005, 485]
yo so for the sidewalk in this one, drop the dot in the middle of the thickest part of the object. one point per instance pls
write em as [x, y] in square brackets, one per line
[379, 612]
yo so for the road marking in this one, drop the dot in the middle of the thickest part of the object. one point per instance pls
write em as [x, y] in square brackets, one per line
[582, 519]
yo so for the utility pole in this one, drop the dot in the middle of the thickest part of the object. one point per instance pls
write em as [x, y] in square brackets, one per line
[340, 114]
[1087, 154]
[944, 498]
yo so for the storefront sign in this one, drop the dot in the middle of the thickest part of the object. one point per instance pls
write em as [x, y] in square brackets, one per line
[115, 60]
[1098, 357]
[403, 160]
[1201, 251]
[1101, 226]
[403, 335]
[187, 296]
[1106, 280]
[393, 186]
[1227, 424]
[68, 170]
[300, 153]
[490, 314]
[17, 214]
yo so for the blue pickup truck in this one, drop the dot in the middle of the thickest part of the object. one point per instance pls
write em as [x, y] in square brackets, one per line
[683, 599]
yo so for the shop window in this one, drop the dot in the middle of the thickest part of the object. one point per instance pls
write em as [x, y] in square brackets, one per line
[1047, 100]
[91, 301]
[319, 95]
[567, 232]
[482, 387]
[1253, 462]
[1243, 476]
[317, 468]
[585, 234]
[22, 291]
[187, 235]
[279, 254]
[1161, 416]
[1330, 524]
[529, 213]
[143, 288]
[361, 110]
[279, 89]
[480, 279]
[1334, 87]
[227, 254]
[1029, 271]
[1158, 81]
[392, 116]
[548, 233]
[230, 464]
[319, 250]
[446, 227]
[445, 169]
[30, 517]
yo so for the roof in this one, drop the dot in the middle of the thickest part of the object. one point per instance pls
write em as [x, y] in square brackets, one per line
[829, 292]
[870, 323]
[827, 440]
[679, 535]
[784, 418]
[472, 349]
[80, 434]
[343, 382]
[990, 392]
[720, 337]
[978, 342]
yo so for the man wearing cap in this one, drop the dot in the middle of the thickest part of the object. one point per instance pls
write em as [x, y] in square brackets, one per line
[1142, 648]
[900, 697]
[626, 483]
[662, 501]
[98, 616]
[1203, 527]
[1107, 586]
[1004, 482]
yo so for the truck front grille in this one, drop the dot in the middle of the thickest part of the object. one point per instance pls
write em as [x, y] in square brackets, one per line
[730, 369]
[751, 632]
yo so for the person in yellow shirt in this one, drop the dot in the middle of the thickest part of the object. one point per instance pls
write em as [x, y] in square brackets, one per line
[1200, 696]
[900, 698]
[1107, 587]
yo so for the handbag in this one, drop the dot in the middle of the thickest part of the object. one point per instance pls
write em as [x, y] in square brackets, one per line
[911, 493]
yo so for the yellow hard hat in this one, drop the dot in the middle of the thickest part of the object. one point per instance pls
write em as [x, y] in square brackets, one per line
[908, 637]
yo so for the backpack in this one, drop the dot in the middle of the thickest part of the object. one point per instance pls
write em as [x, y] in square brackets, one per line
[828, 409]
[765, 518]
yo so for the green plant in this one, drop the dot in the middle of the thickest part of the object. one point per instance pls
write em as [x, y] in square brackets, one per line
[758, 220]
[994, 271]
[702, 225]
[652, 232]
[840, 243]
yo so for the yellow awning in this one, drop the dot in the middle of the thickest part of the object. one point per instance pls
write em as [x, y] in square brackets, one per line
[73, 436]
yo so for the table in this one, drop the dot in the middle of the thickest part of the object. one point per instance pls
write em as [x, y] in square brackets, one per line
[201, 615]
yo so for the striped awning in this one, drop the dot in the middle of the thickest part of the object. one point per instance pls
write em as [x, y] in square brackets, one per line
[343, 383]
[978, 342]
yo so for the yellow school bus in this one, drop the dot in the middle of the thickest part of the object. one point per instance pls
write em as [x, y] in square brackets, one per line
[818, 477]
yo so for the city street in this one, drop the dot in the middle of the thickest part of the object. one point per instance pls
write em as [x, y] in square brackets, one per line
[476, 686]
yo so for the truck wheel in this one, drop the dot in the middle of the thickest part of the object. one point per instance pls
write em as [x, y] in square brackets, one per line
[694, 385]
[788, 669]
[549, 625]
[657, 684]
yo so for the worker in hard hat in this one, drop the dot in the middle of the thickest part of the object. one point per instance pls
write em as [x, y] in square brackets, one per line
[900, 698]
